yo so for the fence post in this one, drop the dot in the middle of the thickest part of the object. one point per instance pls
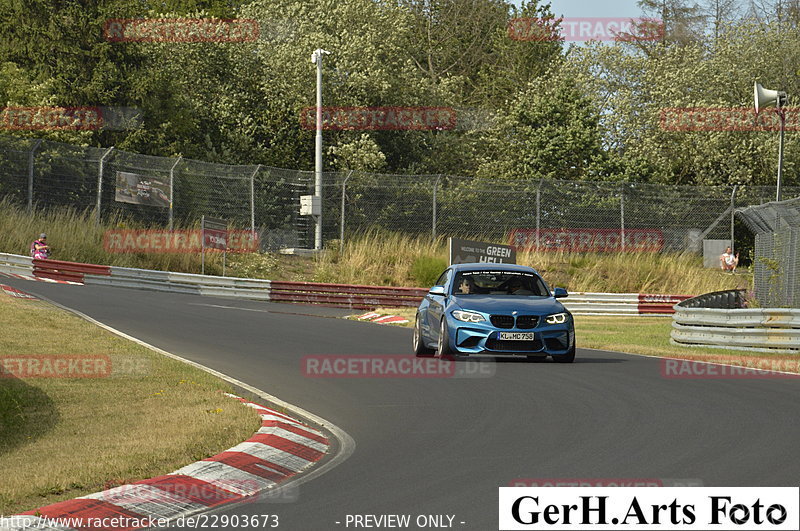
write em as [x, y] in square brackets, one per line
[172, 189]
[100, 184]
[733, 212]
[622, 216]
[30, 173]
[341, 222]
[253, 200]
[538, 211]
[433, 221]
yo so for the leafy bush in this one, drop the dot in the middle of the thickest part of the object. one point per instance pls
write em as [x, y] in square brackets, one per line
[426, 269]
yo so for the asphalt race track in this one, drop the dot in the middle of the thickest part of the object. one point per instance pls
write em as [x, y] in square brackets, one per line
[442, 446]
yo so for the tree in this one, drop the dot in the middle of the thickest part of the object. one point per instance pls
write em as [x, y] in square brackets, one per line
[549, 131]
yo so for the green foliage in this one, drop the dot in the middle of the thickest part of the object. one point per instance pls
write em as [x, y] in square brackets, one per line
[426, 269]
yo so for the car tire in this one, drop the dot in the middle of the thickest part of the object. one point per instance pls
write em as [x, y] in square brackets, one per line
[569, 357]
[444, 349]
[420, 350]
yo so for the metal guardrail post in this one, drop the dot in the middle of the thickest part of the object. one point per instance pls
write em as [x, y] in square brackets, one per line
[172, 189]
[341, 222]
[30, 173]
[101, 166]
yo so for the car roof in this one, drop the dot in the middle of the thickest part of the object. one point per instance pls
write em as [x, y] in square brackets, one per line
[476, 266]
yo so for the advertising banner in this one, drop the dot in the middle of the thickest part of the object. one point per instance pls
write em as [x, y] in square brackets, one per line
[141, 190]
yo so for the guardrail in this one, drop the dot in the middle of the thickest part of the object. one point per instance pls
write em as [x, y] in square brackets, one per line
[69, 271]
[338, 295]
[17, 264]
[775, 330]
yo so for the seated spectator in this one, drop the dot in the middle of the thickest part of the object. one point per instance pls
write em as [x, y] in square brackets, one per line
[728, 261]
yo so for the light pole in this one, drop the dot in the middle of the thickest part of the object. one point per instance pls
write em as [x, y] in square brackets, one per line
[316, 58]
[768, 98]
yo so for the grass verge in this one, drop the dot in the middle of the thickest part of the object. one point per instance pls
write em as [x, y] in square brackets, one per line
[648, 336]
[66, 437]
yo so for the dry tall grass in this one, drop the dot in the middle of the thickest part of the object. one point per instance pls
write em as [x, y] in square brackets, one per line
[74, 236]
[397, 259]
[377, 257]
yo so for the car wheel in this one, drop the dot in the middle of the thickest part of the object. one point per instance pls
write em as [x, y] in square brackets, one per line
[444, 349]
[420, 350]
[569, 357]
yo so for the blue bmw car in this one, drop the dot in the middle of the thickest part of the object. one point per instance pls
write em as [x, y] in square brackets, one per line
[496, 310]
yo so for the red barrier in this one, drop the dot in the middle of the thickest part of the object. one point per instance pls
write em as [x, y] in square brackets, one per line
[649, 303]
[345, 295]
[69, 271]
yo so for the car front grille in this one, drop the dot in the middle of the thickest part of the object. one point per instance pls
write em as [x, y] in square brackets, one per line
[514, 346]
[524, 322]
[502, 321]
[527, 321]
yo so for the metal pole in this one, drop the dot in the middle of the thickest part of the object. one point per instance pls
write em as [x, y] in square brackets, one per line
[100, 185]
[341, 223]
[782, 115]
[30, 173]
[733, 213]
[622, 218]
[538, 211]
[172, 189]
[318, 149]
[253, 200]
[203, 244]
[433, 221]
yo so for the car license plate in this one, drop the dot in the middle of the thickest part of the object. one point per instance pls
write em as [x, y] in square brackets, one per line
[517, 336]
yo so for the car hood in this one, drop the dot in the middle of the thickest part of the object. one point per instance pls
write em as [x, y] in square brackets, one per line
[508, 303]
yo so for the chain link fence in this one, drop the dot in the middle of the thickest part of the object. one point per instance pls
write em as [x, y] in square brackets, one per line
[545, 214]
[777, 252]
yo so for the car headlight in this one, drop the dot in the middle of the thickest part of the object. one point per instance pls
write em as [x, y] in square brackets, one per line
[556, 318]
[468, 317]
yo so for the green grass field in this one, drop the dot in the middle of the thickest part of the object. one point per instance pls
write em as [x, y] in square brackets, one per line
[66, 437]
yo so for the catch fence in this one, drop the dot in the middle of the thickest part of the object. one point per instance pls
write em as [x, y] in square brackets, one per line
[545, 214]
[777, 252]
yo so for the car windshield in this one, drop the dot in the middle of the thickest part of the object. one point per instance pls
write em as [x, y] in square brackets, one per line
[488, 282]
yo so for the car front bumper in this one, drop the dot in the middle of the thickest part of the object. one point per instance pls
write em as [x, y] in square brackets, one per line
[477, 339]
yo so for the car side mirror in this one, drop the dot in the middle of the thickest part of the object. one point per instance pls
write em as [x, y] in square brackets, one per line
[560, 293]
[437, 290]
